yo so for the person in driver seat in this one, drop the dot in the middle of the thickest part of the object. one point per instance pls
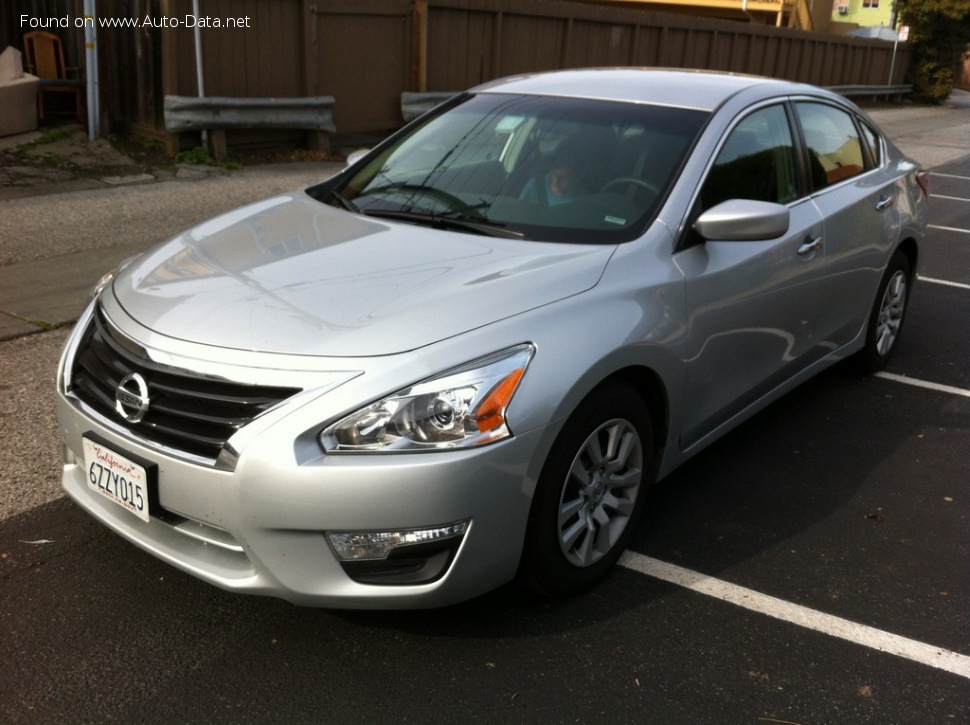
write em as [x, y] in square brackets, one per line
[565, 180]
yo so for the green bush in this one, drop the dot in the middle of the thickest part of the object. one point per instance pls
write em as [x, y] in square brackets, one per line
[939, 32]
[933, 82]
[200, 156]
[197, 156]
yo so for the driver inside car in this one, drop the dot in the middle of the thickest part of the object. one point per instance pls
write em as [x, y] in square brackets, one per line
[565, 181]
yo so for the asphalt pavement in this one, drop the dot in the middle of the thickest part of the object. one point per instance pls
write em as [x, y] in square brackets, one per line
[810, 567]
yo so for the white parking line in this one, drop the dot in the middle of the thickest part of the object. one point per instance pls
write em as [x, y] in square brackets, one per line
[948, 229]
[933, 280]
[860, 634]
[951, 198]
[950, 176]
[923, 384]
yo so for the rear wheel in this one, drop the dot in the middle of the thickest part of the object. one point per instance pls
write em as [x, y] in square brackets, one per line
[590, 493]
[887, 315]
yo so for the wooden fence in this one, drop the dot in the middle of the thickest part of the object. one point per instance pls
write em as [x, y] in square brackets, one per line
[455, 44]
[365, 53]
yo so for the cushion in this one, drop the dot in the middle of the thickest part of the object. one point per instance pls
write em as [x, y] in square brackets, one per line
[11, 65]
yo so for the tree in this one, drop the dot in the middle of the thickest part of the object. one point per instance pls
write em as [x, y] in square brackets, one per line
[939, 31]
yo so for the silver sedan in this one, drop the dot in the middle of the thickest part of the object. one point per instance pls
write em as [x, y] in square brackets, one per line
[463, 359]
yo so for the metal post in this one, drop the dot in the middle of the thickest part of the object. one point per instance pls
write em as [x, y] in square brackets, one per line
[91, 69]
[892, 63]
[198, 64]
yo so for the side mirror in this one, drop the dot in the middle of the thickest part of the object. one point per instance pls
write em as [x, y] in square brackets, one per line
[354, 156]
[739, 220]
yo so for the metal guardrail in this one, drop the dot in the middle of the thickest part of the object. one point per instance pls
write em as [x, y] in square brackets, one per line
[219, 113]
[898, 90]
[188, 113]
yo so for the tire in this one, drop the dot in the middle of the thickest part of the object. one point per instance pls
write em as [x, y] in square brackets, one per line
[590, 493]
[887, 316]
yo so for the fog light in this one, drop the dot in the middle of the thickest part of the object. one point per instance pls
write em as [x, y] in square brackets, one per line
[370, 545]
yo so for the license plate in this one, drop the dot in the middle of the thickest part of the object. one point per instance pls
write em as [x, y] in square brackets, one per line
[116, 477]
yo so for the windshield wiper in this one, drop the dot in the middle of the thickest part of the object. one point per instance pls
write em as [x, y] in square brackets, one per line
[343, 201]
[454, 205]
[477, 225]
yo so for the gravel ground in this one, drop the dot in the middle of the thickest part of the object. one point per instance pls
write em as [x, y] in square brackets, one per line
[30, 457]
[99, 219]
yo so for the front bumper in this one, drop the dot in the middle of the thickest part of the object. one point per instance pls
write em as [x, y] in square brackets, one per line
[261, 529]
[259, 525]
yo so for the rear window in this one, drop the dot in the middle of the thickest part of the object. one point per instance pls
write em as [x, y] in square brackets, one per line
[834, 147]
[872, 142]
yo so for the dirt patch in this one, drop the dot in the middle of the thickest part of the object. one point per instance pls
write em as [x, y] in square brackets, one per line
[61, 158]
[59, 155]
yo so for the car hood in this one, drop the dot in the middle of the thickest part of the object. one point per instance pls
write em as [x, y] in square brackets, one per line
[291, 275]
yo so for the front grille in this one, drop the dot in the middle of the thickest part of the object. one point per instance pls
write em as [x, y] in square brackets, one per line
[186, 413]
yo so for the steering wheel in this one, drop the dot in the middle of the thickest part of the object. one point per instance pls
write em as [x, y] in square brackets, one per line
[630, 181]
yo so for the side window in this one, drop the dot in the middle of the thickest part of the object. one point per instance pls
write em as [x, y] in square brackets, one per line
[872, 141]
[834, 147]
[757, 161]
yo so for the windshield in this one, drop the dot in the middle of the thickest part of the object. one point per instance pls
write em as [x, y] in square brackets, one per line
[544, 168]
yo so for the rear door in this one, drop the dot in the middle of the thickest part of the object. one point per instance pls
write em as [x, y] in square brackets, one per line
[857, 199]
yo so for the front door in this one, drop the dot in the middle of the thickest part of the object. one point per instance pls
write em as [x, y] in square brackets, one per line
[753, 306]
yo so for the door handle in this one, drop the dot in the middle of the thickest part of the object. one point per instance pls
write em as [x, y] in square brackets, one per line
[884, 202]
[810, 245]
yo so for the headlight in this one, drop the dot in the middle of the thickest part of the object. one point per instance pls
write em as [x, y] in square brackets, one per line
[461, 408]
[99, 286]
[108, 277]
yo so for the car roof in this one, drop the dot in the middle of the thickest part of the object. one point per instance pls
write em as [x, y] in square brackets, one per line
[696, 89]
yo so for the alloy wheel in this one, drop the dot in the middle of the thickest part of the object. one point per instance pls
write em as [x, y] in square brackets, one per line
[891, 313]
[600, 492]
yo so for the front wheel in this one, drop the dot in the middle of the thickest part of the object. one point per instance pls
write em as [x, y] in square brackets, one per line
[887, 315]
[590, 493]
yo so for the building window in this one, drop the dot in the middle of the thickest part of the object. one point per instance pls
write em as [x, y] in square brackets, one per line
[870, 3]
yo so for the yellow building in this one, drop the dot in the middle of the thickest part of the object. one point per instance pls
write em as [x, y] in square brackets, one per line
[802, 14]
[863, 13]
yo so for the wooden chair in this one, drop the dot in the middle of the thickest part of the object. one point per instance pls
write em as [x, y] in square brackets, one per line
[45, 59]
